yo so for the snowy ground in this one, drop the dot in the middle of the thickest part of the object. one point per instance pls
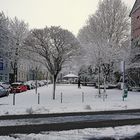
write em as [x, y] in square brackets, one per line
[27, 103]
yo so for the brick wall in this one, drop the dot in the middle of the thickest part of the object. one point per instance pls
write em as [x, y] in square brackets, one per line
[135, 24]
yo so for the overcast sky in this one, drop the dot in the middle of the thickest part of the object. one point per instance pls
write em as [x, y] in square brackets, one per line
[69, 14]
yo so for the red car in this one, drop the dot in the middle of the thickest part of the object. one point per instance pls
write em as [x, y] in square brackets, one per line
[18, 87]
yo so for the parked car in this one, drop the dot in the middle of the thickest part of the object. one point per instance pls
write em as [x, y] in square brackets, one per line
[29, 84]
[45, 82]
[5, 85]
[49, 81]
[112, 86]
[120, 85]
[41, 83]
[3, 91]
[18, 87]
[102, 86]
[34, 84]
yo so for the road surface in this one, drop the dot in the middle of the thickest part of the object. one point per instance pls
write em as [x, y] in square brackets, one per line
[36, 123]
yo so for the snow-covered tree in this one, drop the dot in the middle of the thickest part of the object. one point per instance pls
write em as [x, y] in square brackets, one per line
[106, 33]
[5, 36]
[54, 47]
[19, 31]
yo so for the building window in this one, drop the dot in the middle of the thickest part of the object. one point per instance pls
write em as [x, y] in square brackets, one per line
[1, 64]
[6, 78]
[6, 65]
[19, 75]
[1, 77]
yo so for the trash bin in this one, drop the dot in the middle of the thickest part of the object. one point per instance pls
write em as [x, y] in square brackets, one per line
[125, 93]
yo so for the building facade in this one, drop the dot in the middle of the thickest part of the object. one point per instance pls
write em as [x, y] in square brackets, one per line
[4, 70]
[135, 32]
[134, 71]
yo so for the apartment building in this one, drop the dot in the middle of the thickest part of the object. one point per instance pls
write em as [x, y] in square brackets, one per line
[134, 70]
[135, 33]
[4, 70]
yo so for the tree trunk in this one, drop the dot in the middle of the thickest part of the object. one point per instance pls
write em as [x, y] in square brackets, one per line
[54, 85]
[15, 74]
[15, 71]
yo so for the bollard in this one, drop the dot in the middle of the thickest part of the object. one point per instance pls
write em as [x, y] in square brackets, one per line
[14, 98]
[38, 98]
[104, 95]
[61, 97]
[82, 97]
[36, 89]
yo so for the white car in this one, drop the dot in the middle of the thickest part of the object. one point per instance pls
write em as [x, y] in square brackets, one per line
[30, 84]
[5, 85]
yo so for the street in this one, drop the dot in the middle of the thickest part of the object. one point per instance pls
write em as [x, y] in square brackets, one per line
[58, 122]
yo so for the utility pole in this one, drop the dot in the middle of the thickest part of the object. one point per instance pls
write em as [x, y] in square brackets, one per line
[99, 72]
[125, 90]
[36, 80]
[16, 63]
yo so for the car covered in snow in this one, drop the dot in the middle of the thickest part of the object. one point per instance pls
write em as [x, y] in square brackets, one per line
[18, 87]
[30, 84]
[5, 85]
[3, 91]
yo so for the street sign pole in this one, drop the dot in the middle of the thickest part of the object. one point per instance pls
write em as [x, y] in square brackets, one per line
[125, 91]
[123, 66]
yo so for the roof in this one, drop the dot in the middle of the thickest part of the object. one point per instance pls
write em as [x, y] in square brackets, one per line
[70, 76]
[135, 7]
[17, 83]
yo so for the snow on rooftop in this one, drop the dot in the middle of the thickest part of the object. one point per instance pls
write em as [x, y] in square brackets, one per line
[70, 76]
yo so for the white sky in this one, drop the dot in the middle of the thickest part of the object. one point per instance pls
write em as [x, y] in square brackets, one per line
[69, 14]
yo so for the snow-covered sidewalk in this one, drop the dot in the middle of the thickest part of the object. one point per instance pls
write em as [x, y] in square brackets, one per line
[27, 102]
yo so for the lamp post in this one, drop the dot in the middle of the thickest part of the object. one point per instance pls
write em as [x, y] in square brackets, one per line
[16, 63]
[125, 90]
[36, 81]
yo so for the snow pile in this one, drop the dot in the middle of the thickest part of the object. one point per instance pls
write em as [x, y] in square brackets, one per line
[116, 133]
